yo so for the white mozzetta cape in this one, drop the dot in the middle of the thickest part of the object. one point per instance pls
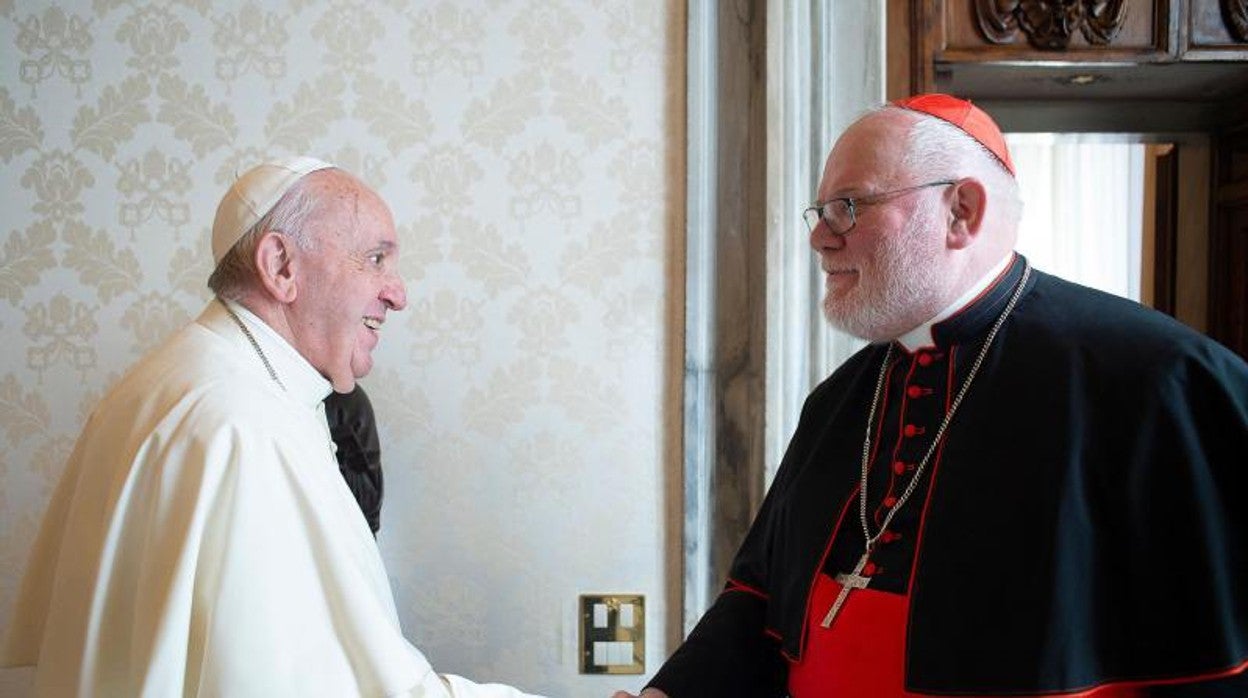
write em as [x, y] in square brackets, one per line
[202, 542]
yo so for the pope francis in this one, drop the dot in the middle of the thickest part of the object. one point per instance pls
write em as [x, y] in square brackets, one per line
[201, 541]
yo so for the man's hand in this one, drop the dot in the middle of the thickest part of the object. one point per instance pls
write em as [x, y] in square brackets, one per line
[648, 693]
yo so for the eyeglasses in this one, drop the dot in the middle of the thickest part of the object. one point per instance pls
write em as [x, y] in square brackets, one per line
[840, 214]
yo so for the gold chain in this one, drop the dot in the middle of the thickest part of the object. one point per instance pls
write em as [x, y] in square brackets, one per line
[254, 344]
[918, 472]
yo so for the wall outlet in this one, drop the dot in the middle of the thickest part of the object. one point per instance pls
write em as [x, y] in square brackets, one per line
[613, 633]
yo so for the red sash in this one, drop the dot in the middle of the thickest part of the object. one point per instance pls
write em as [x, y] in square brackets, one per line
[864, 652]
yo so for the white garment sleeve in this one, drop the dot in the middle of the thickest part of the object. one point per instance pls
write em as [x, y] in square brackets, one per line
[463, 688]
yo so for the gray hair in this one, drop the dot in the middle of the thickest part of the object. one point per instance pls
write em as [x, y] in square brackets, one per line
[236, 272]
[936, 149]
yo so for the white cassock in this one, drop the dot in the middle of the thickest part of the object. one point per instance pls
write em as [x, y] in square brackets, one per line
[203, 543]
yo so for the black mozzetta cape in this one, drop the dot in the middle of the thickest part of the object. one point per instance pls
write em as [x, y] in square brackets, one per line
[1085, 522]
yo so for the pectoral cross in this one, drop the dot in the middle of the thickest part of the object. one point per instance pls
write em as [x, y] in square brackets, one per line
[849, 582]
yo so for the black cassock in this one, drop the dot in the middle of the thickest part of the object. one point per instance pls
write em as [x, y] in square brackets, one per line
[1082, 523]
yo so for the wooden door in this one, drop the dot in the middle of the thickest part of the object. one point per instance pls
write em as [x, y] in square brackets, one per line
[1228, 241]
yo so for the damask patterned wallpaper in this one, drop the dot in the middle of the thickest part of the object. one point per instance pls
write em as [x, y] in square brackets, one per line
[532, 151]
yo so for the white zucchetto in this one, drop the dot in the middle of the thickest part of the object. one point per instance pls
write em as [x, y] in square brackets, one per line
[253, 195]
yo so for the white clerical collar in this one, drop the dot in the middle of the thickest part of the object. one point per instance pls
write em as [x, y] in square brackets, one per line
[921, 336]
[304, 383]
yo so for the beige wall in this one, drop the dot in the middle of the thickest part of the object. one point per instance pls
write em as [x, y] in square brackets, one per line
[532, 152]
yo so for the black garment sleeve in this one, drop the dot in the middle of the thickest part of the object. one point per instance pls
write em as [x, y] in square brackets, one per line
[354, 430]
[727, 655]
[735, 650]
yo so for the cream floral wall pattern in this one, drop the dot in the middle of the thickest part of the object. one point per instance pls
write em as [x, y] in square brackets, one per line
[531, 150]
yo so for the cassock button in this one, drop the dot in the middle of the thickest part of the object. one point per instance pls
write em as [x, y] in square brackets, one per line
[889, 501]
[911, 430]
[899, 467]
[868, 569]
[914, 391]
[925, 359]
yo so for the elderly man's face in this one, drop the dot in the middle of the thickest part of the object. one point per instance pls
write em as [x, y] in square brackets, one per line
[883, 278]
[348, 281]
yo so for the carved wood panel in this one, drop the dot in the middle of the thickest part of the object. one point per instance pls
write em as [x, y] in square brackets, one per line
[1050, 24]
[1235, 13]
[1038, 29]
[1218, 24]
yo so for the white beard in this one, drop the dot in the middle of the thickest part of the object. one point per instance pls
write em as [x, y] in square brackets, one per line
[898, 288]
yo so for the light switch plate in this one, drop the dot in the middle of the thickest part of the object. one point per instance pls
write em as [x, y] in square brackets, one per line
[613, 649]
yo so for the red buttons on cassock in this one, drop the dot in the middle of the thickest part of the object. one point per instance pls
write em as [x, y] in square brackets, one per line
[889, 501]
[868, 569]
[917, 391]
[911, 430]
[889, 537]
[925, 359]
[899, 467]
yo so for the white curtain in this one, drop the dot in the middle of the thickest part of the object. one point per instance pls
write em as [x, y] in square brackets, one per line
[1083, 207]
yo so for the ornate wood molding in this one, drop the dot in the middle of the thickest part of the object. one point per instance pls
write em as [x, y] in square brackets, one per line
[996, 20]
[1049, 24]
[1235, 14]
